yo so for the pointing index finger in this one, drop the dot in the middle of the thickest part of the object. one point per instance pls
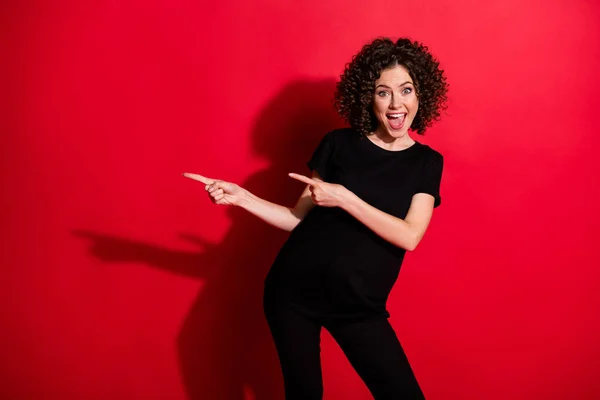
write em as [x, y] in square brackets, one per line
[302, 178]
[199, 178]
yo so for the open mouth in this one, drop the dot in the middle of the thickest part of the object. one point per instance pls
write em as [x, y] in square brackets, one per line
[396, 120]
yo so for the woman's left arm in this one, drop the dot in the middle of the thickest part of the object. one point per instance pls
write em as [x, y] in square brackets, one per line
[405, 233]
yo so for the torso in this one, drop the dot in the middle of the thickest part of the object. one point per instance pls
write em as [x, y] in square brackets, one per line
[332, 265]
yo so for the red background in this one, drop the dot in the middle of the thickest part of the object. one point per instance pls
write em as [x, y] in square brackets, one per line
[120, 280]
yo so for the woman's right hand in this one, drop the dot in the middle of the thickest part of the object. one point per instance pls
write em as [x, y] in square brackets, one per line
[220, 192]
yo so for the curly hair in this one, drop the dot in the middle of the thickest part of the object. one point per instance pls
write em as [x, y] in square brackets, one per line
[354, 91]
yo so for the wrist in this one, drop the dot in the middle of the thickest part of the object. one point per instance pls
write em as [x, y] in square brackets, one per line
[348, 199]
[244, 199]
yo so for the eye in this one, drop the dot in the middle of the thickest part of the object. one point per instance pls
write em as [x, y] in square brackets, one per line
[407, 90]
[382, 93]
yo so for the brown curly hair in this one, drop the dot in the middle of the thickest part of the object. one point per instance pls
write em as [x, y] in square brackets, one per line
[354, 91]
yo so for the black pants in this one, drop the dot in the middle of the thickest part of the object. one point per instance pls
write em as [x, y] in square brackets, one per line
[370, 345]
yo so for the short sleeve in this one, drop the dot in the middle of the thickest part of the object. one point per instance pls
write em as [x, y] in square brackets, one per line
[429, 181]
[321, 156]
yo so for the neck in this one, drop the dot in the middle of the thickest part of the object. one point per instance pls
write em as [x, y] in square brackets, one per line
[385, 140]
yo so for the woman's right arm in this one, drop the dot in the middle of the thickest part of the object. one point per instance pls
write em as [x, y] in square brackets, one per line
[227, 193]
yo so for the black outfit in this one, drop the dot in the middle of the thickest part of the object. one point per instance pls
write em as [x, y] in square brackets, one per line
[335, 272]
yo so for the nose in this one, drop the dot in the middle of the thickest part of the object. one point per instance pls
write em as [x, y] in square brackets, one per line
[396, 101]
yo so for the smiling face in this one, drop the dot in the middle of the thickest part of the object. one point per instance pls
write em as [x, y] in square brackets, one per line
[395, 103]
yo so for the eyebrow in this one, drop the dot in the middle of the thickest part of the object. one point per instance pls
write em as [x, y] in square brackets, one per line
[381, 84]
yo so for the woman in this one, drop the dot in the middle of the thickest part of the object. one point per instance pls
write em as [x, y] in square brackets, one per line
[370, 199]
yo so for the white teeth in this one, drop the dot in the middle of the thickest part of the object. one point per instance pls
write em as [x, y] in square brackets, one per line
[395, 115]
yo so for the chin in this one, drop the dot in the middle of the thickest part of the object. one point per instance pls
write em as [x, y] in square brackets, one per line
[397, 134]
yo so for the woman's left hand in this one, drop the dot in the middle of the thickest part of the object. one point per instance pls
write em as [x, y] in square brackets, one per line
[323, 193]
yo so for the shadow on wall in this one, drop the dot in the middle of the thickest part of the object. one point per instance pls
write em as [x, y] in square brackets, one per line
[224, 346]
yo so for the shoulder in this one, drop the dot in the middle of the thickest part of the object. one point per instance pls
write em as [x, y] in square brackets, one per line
[340, 135]
[430, 155]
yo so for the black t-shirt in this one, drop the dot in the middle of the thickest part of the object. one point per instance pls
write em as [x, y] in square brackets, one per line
[332, 265]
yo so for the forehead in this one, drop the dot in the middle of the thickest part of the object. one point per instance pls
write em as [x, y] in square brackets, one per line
[397, 74]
